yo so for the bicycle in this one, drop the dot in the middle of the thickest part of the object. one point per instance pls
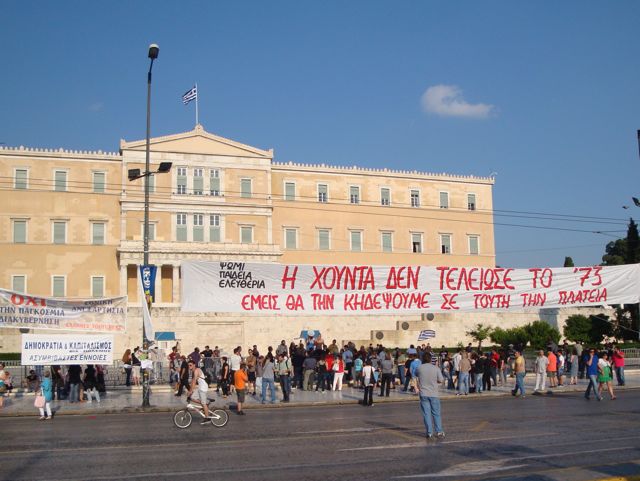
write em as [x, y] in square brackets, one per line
[183, 418]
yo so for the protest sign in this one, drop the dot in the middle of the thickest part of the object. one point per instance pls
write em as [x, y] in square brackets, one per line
[46, 349]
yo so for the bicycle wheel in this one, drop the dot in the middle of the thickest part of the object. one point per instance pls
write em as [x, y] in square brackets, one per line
[182, 419]
[219, 417]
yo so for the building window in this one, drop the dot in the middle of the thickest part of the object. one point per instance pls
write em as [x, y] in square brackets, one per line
[181, 227]
[21, 178]
[415, 198]
[152, 183]
[19, 284]
[198, 227]
[214, 228]
[474, 245]
[19, 231]
[97, 233]
[99, 181]
[323, 193]
[354, 194]
[386, 241]
[245, 188]
[356, 240]
[290, 238]
[97, 286]
[444, 200]
[152, 230]
[59, 232]
[60, 181]
[198, 182]
[416, 243]
[445, 243]
[289, 191]
[214, 182]
[246, 234]
[58, 286]
[181, 186]
[471, 201]
[385, 196]
[324, 237]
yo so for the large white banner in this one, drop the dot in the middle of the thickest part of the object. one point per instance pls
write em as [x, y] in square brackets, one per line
[46, 349]
[90, 315]
[340, 289]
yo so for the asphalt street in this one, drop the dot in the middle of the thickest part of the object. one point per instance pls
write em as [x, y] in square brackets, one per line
[559, 437]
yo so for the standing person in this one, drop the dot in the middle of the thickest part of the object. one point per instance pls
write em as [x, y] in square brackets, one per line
[561, 367]
[127, 366]
[309, 368]
[618, 364]
[347, 359]
[91, 383]
[251, 372]
[486, 375]
[552, 368]
[298, 372]
[358, 364]
[47, 392]
[591, 366]
[284, 370]
[240, 380]
[540, 370]
[338, 372]
[428, 377]
[136, 364]
[502, 368]
[268, 380]
[259, 371]
[369, 383]
[605, 376]
[75, 373]
[463, 374]
[478, 371]
[322, 373]
[573, 375]
[494, 361]
[57, 379]
[234, 364]
[520, 371]
[457, 357]
[199, 388]
[581, 365]
[184, 375]
[225, 376]
[401, 358]
[387, 375]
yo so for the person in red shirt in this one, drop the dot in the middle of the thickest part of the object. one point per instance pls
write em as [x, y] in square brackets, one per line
[552, 369]
[618, 364]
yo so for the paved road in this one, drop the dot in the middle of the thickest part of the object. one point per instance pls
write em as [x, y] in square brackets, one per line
[560, 437]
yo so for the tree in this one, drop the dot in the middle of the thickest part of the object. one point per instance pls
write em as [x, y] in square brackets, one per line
[589, 330]
[480, 333]
[633, 244]
[504, 337]
[540, 333]
[576, 328]
[568, 262]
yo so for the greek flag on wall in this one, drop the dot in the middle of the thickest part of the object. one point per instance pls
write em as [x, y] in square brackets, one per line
[426, 334]
[189, 95]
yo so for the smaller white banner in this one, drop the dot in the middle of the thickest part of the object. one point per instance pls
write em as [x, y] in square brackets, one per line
[46, 349]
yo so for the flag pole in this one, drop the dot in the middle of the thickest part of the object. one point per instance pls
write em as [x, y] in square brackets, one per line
[196, 103]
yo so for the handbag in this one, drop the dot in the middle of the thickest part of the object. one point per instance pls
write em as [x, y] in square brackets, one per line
[39, 402]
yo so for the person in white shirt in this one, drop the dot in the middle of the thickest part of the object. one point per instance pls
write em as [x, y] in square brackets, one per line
[561, 366]
[369, 383]
[199, 388]
[541, 371]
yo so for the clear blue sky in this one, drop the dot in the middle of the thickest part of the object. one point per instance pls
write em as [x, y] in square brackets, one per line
[545, 93]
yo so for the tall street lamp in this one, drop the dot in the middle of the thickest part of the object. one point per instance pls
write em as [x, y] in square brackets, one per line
[134, 174]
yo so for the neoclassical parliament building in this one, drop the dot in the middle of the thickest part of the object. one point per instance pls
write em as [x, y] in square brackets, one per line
[72, 226]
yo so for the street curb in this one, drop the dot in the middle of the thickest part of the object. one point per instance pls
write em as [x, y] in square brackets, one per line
[282, 405]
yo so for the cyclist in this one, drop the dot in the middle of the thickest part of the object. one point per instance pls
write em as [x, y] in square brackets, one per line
[197, 378]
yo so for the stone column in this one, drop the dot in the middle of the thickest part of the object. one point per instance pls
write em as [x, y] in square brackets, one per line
[176, 284]
[158, 285]
[123, 280]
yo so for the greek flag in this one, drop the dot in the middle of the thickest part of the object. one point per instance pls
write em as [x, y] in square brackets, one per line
[189, 95]
[426, 334]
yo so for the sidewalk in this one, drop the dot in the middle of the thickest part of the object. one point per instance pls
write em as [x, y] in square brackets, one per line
[163, 400]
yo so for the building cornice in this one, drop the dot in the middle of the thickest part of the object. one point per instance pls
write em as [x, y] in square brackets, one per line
[60, 152]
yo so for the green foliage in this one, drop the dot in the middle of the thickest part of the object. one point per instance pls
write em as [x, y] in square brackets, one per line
[577, 328]
[568, 262]
[627, 322]
[633, 244]
[600, 327]
[480, 333]
[504, 337]
[615, 253]
[589, 330]
[540, 333]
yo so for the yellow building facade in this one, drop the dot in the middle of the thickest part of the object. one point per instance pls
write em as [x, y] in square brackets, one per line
[72, 226]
